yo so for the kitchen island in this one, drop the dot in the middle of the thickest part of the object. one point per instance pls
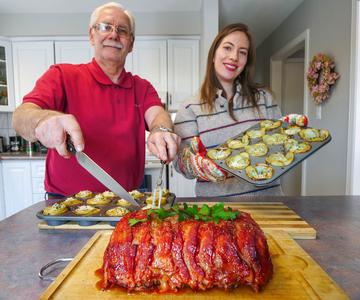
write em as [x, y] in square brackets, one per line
[24, 249]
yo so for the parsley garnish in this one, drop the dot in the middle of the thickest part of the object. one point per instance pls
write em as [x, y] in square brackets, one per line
[205, 213]
[133, 222]
[219, 213]
[161, 212]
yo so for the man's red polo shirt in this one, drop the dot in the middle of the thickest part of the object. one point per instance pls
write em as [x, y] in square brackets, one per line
[111, 117]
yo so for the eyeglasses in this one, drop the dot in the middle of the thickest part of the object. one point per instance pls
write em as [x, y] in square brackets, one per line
[109, 28]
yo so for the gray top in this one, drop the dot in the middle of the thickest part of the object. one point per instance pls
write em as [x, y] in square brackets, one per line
[24, 249]
[215, 128]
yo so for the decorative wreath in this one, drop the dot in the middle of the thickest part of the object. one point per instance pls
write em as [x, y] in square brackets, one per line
[321, 76]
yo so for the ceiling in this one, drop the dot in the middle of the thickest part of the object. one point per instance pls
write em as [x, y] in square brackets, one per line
[87, 6]
[262, 16]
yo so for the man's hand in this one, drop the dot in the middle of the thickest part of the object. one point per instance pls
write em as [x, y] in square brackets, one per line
[53, 129]
[162, 142]
[164, 145]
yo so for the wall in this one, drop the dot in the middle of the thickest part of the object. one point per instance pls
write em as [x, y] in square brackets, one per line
[210, 28]
[329, 22]
[166, 23]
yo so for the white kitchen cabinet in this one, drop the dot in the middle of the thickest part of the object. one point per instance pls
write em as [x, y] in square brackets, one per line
[17, 186]
[31, 60]
[129, 62]
[154, 172]
[37, 180]
[7, 101]
[179, 185]
[171, 65]
[23, 184]
[74, 52]
[183, 71]
[2, 200]
[149, 62]
[79, 52]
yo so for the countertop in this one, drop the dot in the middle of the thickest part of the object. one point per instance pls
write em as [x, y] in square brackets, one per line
[21, 155]
[24, 249]
[150, 160]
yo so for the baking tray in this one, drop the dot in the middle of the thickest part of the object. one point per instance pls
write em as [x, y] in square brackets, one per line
[269, 215]
[96, 218]
[278, 171]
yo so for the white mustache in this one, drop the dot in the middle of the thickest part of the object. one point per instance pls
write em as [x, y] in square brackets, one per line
[113, 44]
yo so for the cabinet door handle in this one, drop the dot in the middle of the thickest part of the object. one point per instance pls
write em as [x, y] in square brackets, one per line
[171, 171]
[170, 99]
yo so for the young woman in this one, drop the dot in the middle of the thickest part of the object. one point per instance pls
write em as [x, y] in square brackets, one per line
[229, 102]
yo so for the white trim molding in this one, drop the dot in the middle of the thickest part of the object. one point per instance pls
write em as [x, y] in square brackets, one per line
[276, 67]
[353, 149]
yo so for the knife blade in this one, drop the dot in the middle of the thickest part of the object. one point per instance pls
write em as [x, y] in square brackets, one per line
[100, 174]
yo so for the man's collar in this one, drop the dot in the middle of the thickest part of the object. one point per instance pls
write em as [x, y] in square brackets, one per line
[125, 80]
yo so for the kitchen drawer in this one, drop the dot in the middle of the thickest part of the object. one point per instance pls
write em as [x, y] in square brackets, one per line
[38, 168]
[38, 197]
[38, 185]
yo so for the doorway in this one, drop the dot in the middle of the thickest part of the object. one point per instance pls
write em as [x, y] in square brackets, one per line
[287, 80]
[293, 102]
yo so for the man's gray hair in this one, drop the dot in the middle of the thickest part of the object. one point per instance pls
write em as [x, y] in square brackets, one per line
[95, 14]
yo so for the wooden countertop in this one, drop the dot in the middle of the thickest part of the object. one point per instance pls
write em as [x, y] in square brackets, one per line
[24, 249]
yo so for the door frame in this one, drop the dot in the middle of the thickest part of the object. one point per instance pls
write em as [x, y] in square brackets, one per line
[353, 149]
[276, 74]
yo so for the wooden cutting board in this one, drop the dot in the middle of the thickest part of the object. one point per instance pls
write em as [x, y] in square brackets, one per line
[296, 276]
[269, 215]
[273, 216]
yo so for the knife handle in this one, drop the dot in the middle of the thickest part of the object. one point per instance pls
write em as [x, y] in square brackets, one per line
[69, 145]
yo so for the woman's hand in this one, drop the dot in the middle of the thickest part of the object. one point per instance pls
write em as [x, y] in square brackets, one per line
[194, 162]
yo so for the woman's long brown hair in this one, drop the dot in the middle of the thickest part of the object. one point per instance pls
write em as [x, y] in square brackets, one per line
[249, 89]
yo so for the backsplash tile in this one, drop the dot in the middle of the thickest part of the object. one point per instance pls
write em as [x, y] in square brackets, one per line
[12, 132]
[5, 134]
[6, 129]
[10, 115]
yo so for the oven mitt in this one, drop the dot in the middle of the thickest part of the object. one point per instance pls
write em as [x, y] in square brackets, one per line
[193, 161]
[295, 119]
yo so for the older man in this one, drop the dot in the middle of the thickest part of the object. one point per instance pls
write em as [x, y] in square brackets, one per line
[104, 109]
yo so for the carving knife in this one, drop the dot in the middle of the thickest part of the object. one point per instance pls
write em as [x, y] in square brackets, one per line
[100, 174]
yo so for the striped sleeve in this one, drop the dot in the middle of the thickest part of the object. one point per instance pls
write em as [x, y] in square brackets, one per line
[185, 124]
[272, 109]
[186, 127]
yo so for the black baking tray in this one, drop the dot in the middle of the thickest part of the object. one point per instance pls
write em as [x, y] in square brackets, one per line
[278, 171]
[96, 218]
